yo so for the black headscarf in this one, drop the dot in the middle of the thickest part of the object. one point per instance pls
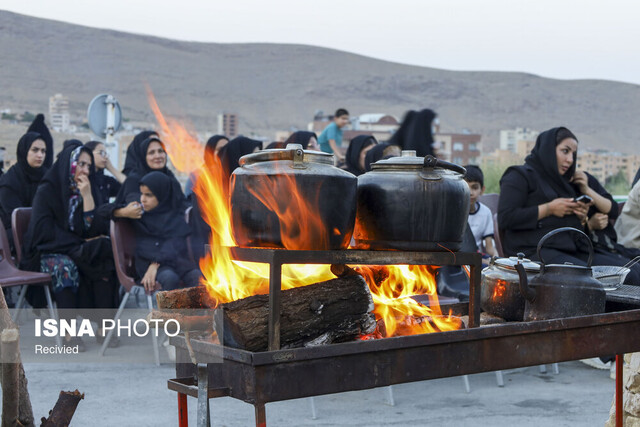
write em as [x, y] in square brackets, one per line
[544, 161]
[40, 127]
[300, 137]
[276, 145]
[19, 184]
[212, 143]
[166, 219]
[133, 159]
[352, 157]
[375, 154]
[415, 132]
[230, 154]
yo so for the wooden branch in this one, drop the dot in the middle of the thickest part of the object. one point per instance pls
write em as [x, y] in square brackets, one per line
[25, 414]
[62, 412]
[332, 311]
[10, 354]
[187, 323]
[185, 298]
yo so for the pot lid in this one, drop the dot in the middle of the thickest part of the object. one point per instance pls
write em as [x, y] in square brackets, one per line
[408, 161]
[511, 262]
[292, 152]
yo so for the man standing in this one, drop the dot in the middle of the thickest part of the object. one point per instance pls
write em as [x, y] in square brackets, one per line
[330, 139]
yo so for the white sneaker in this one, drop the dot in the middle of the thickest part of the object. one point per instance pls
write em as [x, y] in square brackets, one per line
[597, 363]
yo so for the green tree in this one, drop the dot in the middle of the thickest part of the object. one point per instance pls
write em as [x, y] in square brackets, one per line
[617, 184]
[27, 117]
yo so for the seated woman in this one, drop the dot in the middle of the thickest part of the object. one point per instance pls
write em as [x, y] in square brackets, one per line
[161, 237]
[66, 239]
[213, 146]
[357, 152]
[308, 140]
[19, 184]
[106, 186]
[539, 197]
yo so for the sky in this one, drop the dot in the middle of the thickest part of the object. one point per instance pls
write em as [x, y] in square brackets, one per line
[564, 39]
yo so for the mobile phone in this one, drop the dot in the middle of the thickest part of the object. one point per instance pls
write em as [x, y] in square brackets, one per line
[583, 199]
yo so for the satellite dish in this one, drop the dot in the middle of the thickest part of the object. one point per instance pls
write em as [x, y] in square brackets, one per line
[104, 115]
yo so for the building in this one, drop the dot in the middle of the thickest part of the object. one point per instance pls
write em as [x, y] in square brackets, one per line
[460, 148]
[59, 113]
[228, 124]
[604, 164]
[377, 123]
[510, 138]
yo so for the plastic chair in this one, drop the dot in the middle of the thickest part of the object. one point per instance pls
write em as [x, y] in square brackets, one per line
[123, 244]
[10, 275]
[491, 201]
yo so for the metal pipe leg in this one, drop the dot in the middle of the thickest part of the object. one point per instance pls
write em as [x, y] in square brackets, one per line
[390, 400]
[20, 303]
[499, 379]
[543, 369]
[314, 414]
[467, 386]
[556, 368]
[154, 338]
[183, 411]
[204, 415]
[105, 344]
[261, 415]
[52, 312]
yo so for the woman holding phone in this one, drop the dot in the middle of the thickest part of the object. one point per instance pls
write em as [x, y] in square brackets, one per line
[544, 194]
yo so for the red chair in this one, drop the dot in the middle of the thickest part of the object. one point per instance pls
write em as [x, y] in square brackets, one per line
[123, 244]
[10, 275]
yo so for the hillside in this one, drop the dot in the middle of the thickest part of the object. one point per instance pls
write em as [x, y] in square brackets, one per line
[276, 86]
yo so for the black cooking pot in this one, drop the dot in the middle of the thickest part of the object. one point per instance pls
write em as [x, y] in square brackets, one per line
[412, 203]
[561, 290]
[268, 181]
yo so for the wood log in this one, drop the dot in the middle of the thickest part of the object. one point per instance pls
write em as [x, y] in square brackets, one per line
[10, 354]
[187, 322]
[25, 415]
[62, 412]
[185, 298]
[333, 311]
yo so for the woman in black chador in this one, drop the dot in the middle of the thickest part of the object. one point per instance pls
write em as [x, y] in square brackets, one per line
[19, 184]
[161, 236]
[357, 152]
[539, 197]
[416, 132]
[106, 186]
[66, 239]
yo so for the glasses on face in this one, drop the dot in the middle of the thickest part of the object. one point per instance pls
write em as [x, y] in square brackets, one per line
[103, 153]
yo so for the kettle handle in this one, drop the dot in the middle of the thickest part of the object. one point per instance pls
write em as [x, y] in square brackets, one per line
[562, 230]
[527, 292]
[432, 162]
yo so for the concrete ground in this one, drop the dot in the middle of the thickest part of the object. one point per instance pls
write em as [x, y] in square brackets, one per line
[137, 395]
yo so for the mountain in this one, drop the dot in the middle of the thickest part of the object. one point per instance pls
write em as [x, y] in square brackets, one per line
[276, 86]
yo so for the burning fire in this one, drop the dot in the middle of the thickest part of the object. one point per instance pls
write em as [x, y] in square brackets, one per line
[228, 280]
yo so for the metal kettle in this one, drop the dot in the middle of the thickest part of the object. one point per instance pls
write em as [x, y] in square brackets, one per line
[561, 290]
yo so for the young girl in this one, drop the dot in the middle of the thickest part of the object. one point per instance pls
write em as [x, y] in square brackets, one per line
[161, 236]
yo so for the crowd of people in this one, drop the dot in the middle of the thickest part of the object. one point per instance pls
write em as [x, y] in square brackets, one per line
[73, 202]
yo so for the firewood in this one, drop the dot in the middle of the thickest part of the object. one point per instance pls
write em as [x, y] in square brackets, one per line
[62, 412]
[187, 322]
[333, 311]
[25, 414]
[10, 354]
[186, 298]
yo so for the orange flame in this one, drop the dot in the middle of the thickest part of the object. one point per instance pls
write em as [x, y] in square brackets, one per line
[228, 280]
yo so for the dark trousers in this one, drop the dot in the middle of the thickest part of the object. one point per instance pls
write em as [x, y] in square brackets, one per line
[170, 279]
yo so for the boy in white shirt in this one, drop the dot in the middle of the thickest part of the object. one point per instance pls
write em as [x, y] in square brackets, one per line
[480, 216]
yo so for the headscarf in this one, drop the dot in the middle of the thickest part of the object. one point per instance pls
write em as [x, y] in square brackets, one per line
[212, 143]
[40, 127]
[375, 154]
[300, 137]
[167, 218]
[544, 161]
[352, 157]
[21, 181]
[415, 132]
[132, 158]
[230, 154]
[276, 145]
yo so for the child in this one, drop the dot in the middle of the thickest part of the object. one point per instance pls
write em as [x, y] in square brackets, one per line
[480, 216]
[330, 139]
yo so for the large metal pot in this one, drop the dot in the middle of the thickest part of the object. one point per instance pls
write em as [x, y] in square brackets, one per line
[561, 290]
[317, 201]
[412, 203]
[500, 293]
